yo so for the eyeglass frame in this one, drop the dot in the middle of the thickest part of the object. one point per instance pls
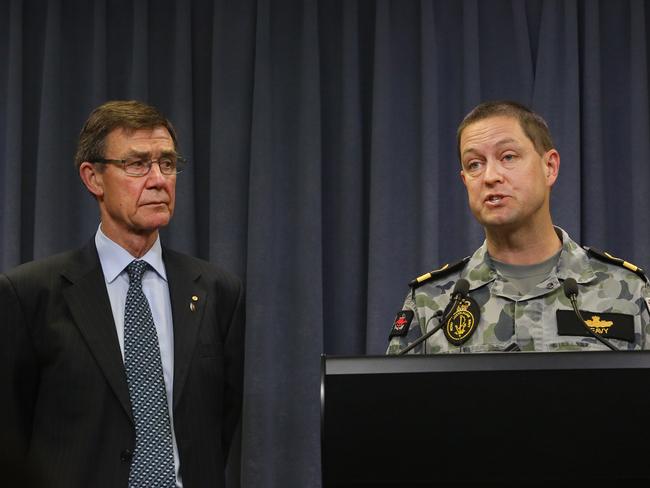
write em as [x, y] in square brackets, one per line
[122, 162]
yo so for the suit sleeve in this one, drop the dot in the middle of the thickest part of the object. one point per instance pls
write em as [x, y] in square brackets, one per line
[234, 371]
[18, 373]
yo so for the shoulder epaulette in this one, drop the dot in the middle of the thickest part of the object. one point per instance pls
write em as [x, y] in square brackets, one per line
[438, 273]
[608, 258]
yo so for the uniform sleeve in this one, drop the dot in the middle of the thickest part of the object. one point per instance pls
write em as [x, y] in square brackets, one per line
[397, 342]
[645, 315]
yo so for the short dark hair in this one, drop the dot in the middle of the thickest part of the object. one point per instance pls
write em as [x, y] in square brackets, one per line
[533, 125]
[129, 115]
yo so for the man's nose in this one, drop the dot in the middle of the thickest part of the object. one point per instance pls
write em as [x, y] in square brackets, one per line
[493, 171]
[155, 177]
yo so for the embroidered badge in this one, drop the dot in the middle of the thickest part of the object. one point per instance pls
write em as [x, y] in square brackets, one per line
[599, 326]
[463, 321]
[402, 323]
[607, 324]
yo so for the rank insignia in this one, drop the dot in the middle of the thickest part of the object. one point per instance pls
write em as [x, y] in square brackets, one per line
[438, 273]
[402, 323]
[463, 321]
[607, 257]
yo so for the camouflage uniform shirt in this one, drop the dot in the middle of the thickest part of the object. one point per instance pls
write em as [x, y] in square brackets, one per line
[530, 322]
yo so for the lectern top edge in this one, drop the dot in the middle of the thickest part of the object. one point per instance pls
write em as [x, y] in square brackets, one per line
[497, 361]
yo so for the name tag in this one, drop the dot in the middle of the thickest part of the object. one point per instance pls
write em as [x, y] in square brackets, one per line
[605, 324]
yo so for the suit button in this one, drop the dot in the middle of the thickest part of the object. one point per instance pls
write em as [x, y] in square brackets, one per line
[126, 456]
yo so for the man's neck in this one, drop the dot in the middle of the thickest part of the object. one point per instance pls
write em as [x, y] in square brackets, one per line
[523, 246]
[136, 244]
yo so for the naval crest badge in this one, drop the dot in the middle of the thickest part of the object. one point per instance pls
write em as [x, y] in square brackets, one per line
[463, 321]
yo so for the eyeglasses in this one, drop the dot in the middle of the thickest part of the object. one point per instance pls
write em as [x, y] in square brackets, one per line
[169, 165]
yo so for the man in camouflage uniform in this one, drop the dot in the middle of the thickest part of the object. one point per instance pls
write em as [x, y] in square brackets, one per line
[516, 298]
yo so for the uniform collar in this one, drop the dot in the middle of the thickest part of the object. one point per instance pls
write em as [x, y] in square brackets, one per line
[573, 263]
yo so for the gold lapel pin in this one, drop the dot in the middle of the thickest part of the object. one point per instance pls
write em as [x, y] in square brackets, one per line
[192, 304]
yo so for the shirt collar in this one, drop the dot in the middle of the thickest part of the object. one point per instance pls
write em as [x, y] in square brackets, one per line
[573, 263]
[114, 258]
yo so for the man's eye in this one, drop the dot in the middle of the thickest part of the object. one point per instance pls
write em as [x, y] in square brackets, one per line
[167, 164]
[508, 158]
[473, 166]
[136, 163]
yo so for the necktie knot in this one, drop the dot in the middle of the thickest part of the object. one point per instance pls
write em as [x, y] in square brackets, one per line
[135, 270]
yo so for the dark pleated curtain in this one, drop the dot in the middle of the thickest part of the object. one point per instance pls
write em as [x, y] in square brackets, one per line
[322, 141]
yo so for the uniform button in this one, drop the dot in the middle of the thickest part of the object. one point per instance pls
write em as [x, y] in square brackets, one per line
[126, 456]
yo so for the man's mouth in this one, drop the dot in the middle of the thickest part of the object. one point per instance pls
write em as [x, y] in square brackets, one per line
[495, 199]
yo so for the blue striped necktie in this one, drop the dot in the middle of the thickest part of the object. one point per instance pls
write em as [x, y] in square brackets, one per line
[152, 465]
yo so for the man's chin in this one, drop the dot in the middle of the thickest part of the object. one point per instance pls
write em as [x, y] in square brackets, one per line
[153, 223]
[496, 221]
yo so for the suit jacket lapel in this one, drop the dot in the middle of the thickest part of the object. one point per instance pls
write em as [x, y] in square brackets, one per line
[188, 296]
[88, 301]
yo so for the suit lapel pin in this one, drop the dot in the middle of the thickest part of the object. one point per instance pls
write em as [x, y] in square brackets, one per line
[193, 303]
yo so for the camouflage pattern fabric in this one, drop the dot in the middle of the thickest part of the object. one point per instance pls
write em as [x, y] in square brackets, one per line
[530, 321]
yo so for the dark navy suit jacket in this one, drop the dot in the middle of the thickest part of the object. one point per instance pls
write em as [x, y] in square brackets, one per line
[66, 404]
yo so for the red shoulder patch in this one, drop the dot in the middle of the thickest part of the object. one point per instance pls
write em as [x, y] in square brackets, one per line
[402, 323]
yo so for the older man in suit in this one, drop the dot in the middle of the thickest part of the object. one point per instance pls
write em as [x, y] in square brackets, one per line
[122, 361]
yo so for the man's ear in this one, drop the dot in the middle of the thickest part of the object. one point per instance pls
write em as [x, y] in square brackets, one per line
[92, 178]
[551, 166]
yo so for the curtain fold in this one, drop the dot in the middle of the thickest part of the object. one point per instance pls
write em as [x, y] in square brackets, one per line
[344, 190]
[284, 254]
[556, 91]
[11, 113]
[639, 123]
